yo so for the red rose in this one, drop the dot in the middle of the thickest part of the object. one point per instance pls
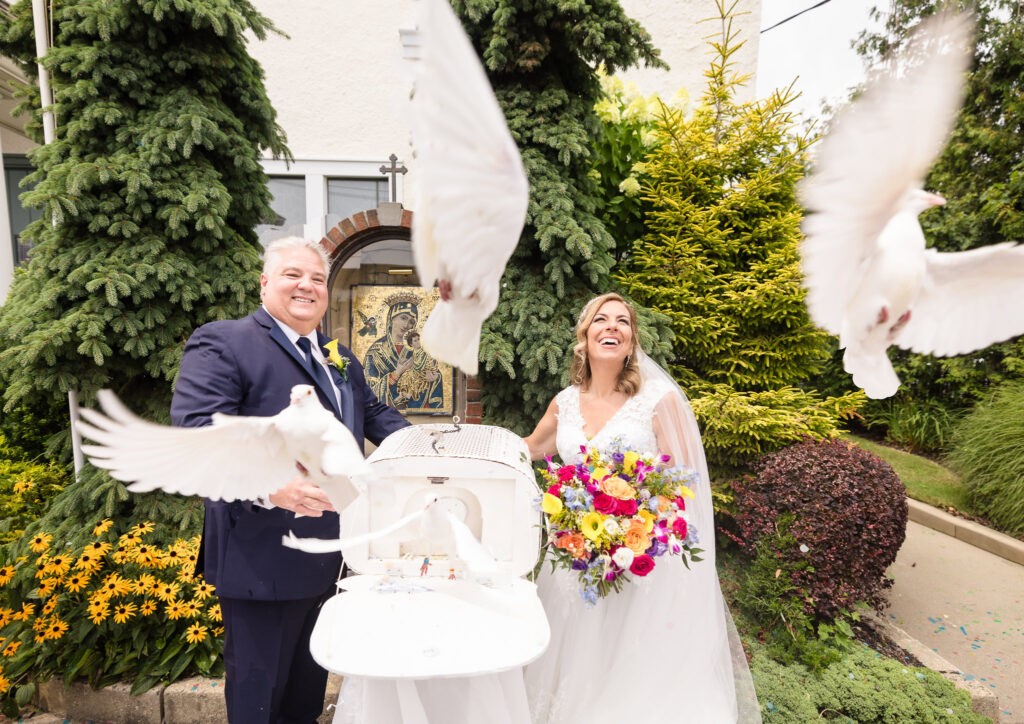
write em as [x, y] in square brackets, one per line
[566, 473]
[625, 507]
[642, 565]
[555, 490]
[679, 527]
[680, 503]
[605, 504]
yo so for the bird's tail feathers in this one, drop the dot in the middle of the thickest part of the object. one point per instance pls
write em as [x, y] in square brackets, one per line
[872, 372]
[452, 334]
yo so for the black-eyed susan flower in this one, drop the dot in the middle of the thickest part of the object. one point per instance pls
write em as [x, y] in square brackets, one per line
[175, 610]
[115, 585]
[49, 606]
[55, 628]
[39, 625]
[144, 584]
[98, 613]
[148, 607]
[76, 582]
[40, 542]
[195, 633]
[102, 527]
[26, 612]
[39, 638]
[168, 591]
[185, 574]
[218, 631]
[214, 613]
[124, 611]
[5, 683]
[47, 586]
[6, 616]
[98, 548]
[12, 648]
[22, 486]
[203, 590]
[58, 565]
[172, 557]
[129, 540]
[143, 528]
[6, 574]
[193, 608]
[89, 561]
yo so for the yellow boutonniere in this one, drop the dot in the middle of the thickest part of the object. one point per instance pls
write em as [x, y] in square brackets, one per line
[337, 359]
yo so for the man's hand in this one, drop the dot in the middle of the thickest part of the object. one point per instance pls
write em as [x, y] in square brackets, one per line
[302, 497]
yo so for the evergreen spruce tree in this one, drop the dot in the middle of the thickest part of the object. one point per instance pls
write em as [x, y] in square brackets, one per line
[720, 260]
[150, 193]
[981, 174]
[541, 60]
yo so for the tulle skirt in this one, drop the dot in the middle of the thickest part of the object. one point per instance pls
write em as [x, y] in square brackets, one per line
[663, 649]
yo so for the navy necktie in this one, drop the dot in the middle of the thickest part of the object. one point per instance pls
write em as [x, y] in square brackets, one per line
[316, 368]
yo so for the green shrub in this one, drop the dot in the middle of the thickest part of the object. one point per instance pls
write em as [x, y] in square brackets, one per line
[863, 687]
[768, 594]
[916, 424]
[849, 518]
[26, 489]
[986, 453]
[118, 608]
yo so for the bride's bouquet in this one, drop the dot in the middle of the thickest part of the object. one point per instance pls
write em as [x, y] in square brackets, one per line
[615, 513]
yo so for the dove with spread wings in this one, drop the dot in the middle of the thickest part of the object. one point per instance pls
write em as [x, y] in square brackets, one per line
[473, 192]
[234, 458]
[870, 278]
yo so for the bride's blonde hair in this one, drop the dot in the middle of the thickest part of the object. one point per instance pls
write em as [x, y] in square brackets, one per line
[629, 378]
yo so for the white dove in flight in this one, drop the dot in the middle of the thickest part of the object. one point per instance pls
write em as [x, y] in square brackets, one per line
[868, 275]
[234, 458]
[473, 188]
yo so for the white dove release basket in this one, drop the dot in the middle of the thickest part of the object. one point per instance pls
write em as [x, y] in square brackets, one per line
[419, 608]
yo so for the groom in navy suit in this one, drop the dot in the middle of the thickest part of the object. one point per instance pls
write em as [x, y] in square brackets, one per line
[270, 595]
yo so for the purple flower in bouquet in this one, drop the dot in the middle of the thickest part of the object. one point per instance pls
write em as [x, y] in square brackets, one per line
[579, 565]
[618, 458]
[589, 596]
[657, 548]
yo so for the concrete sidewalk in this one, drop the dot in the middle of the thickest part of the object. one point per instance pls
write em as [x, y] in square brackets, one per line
[966, 604]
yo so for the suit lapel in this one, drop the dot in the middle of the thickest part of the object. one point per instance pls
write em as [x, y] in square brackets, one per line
[278, 335]
[344, 388]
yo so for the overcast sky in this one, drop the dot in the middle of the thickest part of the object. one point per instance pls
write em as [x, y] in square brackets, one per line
[813, 48]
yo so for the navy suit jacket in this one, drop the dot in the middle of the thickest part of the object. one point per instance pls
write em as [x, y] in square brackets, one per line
[248, 367]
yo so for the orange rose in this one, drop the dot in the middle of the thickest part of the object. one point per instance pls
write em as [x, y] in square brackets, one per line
[574, 543]
[636, 538]
[617, 488]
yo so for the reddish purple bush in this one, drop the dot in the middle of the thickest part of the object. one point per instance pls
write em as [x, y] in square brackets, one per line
[848, 507]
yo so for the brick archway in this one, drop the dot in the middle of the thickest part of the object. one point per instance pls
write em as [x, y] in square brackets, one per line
[365, 227]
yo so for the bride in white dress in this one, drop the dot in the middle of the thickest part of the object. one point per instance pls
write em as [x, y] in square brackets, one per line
[664, 648]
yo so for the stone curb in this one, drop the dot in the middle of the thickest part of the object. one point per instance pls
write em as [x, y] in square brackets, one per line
[189, 701]
[968, 531]
[983, 700]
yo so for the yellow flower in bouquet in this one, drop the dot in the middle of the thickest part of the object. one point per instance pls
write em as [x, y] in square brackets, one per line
[550, 504]
[592, 525]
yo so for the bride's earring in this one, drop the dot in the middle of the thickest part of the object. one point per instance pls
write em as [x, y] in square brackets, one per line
[627, 360]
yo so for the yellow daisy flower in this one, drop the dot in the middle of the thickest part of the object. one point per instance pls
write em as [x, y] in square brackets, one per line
[130, 539]
[218, 631]
[124, 611]
[172, 557]
[89, 561]
[22, 486]
[193, 608]
[149, 559]
[143, 528]
[55, 628]
[103, 527]
[5, 683]
[174, 610]
[97, 614]
[47, 586]
[144, 583]
[148, 607]
[6, 574]
[204, 590]
[214, 613]
[40, 542]
[167, 591]
[58, 564]
[195, 634]
[39, 638]
[99, 598]
[26, 612]
[120, 556]
[115, 585]
[12, 648]
[50, 605]
[186, 574]
[77, 582]
[6, 616]
[98, 548]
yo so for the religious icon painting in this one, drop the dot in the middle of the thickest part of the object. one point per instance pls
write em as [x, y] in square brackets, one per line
[386, 325]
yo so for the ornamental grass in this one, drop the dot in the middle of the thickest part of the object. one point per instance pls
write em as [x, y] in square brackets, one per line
[118, 608]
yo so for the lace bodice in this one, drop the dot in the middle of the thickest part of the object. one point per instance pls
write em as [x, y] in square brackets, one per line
[632, 424]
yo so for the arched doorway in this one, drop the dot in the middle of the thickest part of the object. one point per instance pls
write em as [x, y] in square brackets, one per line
[377, 307]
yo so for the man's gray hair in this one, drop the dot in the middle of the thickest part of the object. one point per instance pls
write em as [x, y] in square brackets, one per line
[272, 254]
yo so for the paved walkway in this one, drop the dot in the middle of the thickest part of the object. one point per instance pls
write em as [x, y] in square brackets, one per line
[968, 606]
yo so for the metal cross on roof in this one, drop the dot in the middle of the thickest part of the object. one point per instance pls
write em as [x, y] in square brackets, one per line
[393, 171]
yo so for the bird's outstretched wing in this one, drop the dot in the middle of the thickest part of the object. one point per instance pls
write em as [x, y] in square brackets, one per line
[878, 150]
[235, 458]
[971, 299]
[473, 188]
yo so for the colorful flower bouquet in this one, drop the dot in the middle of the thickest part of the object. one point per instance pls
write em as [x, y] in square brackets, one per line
[615, 513]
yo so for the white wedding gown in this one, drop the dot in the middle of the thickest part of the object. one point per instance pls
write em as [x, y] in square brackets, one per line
[660, 649]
